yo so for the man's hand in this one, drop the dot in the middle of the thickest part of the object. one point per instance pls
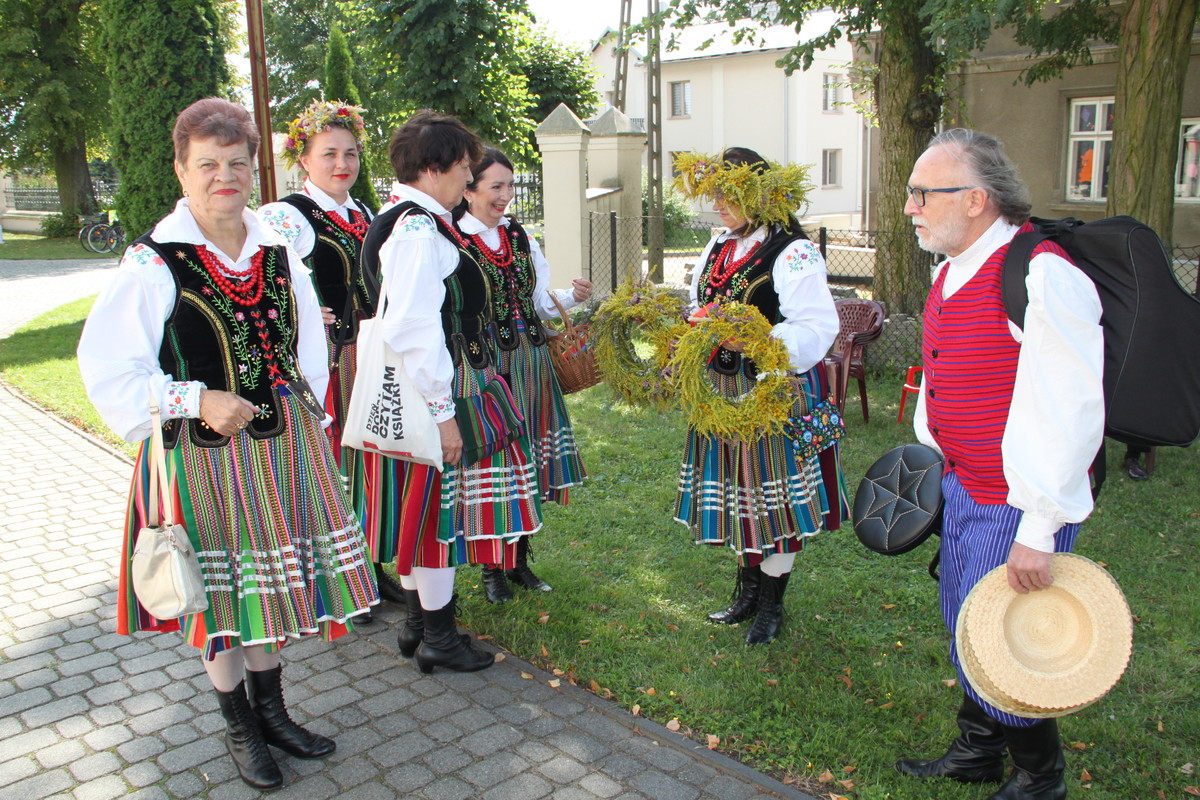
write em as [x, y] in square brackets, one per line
[1028, 569]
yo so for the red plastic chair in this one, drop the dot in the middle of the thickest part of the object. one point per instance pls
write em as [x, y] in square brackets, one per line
[911, 386]
[861, 322]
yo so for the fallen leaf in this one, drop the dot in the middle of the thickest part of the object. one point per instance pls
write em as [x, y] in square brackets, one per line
[888, 606]
[713, 741]
[1078, 746]
[595, 687]
[483, 637]
[555, 682]
[500, 657]
[1085, 776]
[849, 768]
[651, 692]
[849, 683]
[545, 652]
[1194, 791]
[847, 784]
[1161, 729]
[672, 626]
[1187, 769]
[888, 704]
[772, 682]
[673, 725]
[526, 676]
[838, 797]
[826, 777]
[848, 670]
[636, 709]
[950, 681]
[585, 641]
[543, 617]
[1162, 795]
[558, 672]
[686, 670]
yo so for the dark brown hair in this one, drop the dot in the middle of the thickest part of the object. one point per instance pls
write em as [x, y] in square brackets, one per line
[214, 118]
[490, 156]
[431, 141]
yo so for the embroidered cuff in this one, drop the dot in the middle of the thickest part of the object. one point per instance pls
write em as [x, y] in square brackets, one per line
[182, 400]
[441, 408]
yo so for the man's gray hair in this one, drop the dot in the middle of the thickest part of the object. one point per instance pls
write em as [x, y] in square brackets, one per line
[993, 169]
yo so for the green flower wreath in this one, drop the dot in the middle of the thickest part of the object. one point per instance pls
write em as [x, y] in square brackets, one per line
[658, 316]
[765, 196]
[765, 408]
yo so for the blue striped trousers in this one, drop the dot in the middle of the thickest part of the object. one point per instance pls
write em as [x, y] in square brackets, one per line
[975, 540]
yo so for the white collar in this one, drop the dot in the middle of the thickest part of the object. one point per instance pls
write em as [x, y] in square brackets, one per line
[758, 235]
[471, 225]
[998, 234]
[181, 226]
[327, 203]
[407, 192]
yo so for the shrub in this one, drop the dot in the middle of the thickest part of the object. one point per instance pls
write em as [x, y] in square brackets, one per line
[61, 226]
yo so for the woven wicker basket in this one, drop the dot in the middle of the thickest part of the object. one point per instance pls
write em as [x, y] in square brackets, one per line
[572, 355]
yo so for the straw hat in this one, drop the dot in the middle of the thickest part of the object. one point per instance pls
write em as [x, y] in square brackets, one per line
[1050, 652]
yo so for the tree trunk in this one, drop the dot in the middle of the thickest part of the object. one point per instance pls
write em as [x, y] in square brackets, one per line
[1156, 37]
[75, 191]
[908, 113]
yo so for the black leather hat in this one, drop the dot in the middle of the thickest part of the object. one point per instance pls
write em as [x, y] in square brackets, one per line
[899, 501]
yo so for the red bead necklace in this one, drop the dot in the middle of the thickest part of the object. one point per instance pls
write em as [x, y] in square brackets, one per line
[356, 227]
[503, 257]
[726, 267]
[243, 292]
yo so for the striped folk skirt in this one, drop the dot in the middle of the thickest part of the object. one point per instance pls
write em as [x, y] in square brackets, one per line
[759, 498]
[281, 551]
[547, 424]
[470, 514]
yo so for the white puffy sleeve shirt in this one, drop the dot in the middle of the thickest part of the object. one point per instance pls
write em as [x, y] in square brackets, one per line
[286, 220]
[810, 320]
[1056, 420]
[118, 350]
[473, 226]
[415, 259]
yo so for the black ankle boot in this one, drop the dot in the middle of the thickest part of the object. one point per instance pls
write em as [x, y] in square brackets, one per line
[244, 740]
[1038, 763]
[523, 575]
[975, 756]
[495, 585]
[278, 729]
[444, 647]
[414, 624]
[389, 588]
[769, 616]
[745, 598]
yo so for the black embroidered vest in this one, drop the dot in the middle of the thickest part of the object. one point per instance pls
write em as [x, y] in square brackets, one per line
[512, 288]
[752, 285]
[247, 350]
[334, 263]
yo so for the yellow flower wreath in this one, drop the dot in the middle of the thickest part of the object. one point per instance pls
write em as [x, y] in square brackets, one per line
[657, 315]
[765, 408]
[766, 196]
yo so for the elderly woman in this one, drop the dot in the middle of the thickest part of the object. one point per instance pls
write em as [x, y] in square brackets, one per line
[760, 498]
[519, 279]
[437, 317]
[326, 226]
[213, 315]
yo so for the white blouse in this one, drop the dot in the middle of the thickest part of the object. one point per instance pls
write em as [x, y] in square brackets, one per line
[1056, 421]
[473, 226]
[118, 350]
[286, 220]
[810, 320]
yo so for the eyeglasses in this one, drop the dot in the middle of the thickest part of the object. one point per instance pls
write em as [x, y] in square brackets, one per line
[918, 195]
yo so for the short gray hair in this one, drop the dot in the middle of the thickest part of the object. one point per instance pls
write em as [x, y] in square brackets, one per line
[993, 169]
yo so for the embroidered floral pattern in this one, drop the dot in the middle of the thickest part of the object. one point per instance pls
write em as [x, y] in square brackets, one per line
[183, 400]
[801, 255]
[277, 218]
[415, 223]
[442, 408]
[143, 256]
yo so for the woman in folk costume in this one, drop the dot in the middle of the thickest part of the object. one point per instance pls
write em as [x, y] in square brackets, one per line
[437, 318]
[519, 280]
[213, 315]
[759, 497]
[326, 226]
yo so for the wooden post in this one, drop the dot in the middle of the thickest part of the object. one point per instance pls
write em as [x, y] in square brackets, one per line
[262, 100]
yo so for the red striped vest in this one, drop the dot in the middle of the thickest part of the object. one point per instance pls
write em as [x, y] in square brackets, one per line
[970, 363]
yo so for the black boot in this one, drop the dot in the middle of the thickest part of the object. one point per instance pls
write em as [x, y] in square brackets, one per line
[442, 645]
[414, 624]
[523, 575]
[389, 588]
[769, 615]
[1038, 763]
[975, 756]
[495, 585]
[278, 729]
[745, 598]
[244, 739]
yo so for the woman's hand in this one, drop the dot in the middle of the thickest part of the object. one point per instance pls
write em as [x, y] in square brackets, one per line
[452, 442]
[327, 316]
[225, 412]
[581, 289]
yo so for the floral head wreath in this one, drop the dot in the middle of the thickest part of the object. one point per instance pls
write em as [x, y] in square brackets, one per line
[319, 115]
[763, 195]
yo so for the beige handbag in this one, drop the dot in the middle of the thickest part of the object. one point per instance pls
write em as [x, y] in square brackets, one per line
[165, 570]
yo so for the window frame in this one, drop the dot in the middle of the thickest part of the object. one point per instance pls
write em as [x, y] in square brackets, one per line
[829, 155]
[684, 109]
[1093, 189]
[831, 93]
[1186, 123]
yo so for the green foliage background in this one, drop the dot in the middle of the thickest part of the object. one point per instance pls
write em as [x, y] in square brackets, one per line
[339, 85]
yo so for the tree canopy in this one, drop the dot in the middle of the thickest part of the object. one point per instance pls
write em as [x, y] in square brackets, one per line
[339, 85]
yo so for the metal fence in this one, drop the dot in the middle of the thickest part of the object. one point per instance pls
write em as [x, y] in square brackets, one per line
[45, 198]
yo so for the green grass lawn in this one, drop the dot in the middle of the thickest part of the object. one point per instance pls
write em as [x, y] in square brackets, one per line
[859, 675]
[24, 246]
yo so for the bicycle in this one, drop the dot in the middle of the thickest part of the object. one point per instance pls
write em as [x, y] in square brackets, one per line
[87, 224]
[100, 236]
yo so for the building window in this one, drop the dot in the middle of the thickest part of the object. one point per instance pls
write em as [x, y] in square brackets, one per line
[681, 99]
[1187, 164]
[831, 92]
[831, 167]
[1090, 148]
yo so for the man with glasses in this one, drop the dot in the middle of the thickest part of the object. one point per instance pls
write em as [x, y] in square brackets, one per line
[1018, 416]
